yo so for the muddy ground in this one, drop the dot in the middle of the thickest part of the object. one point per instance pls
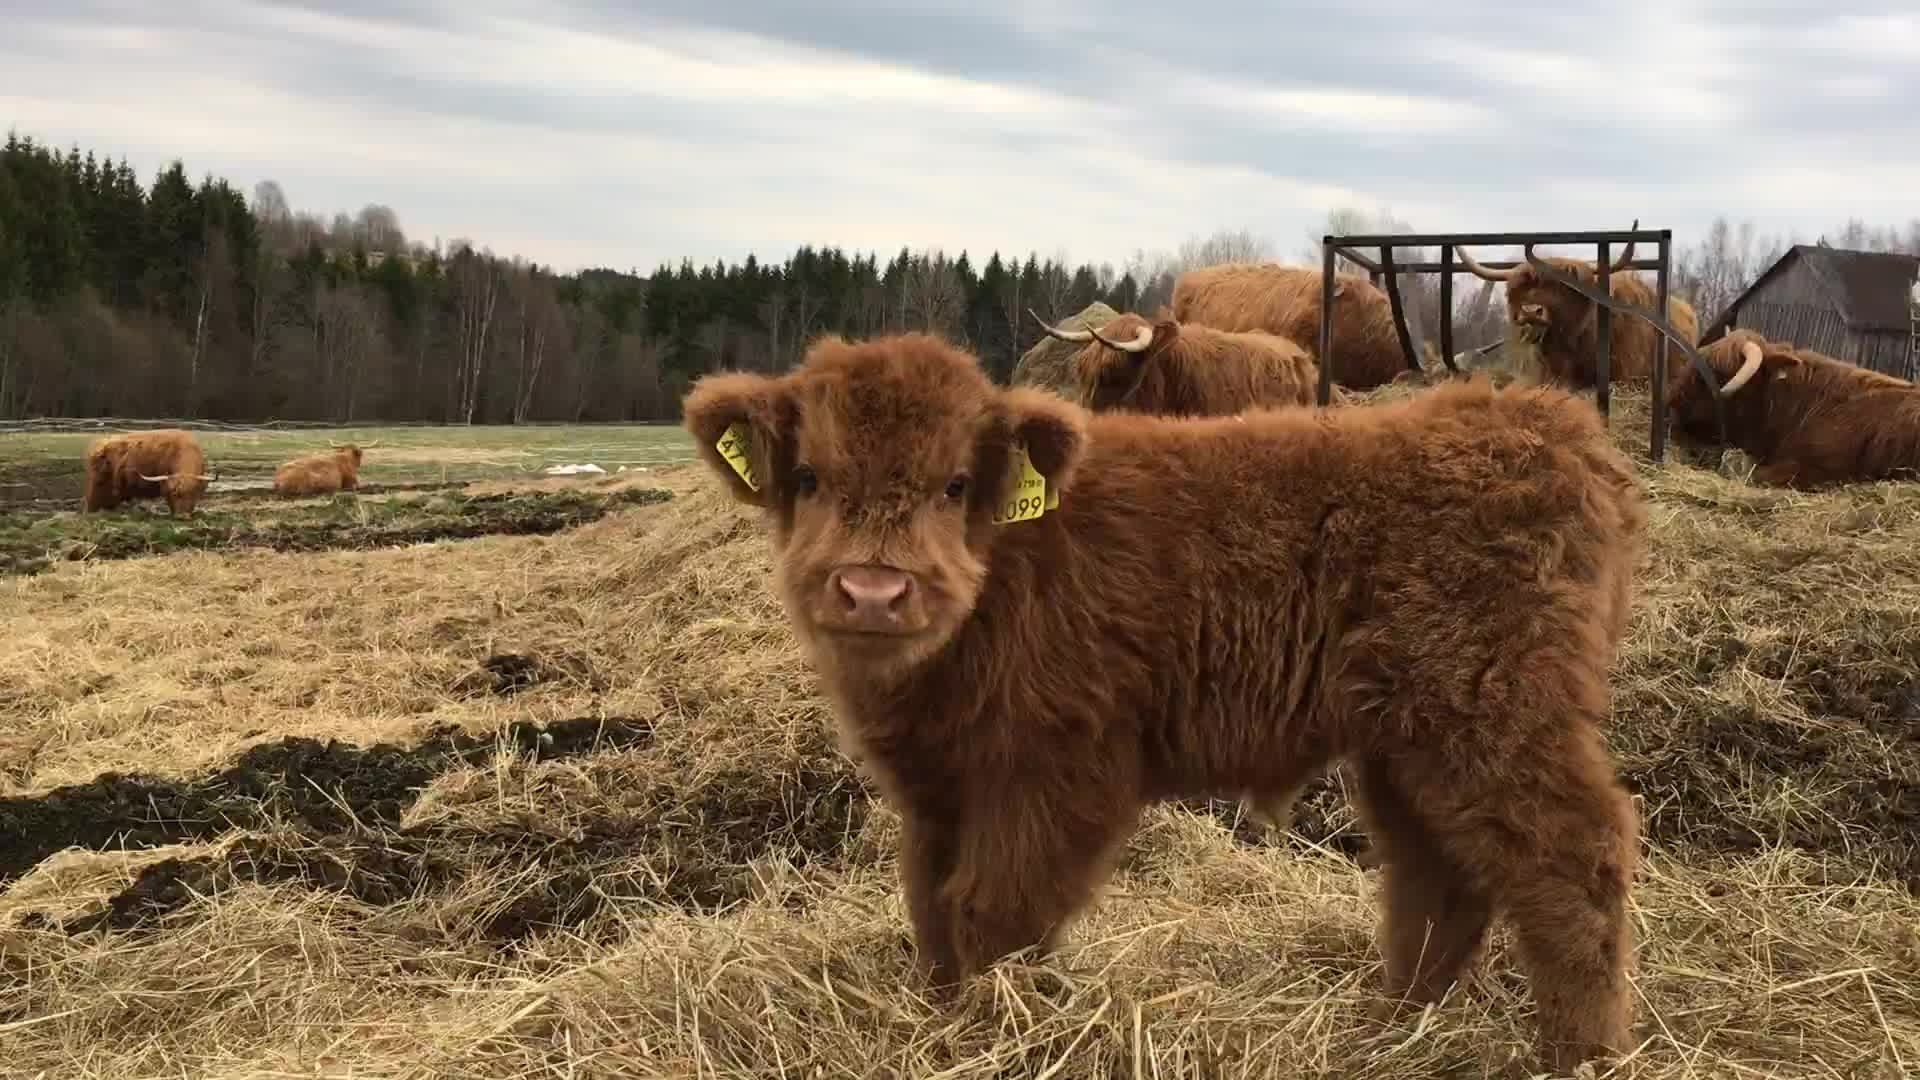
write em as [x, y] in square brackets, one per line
[329, 817]
[31, 540]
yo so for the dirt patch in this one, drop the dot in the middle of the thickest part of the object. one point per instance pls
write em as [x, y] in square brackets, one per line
[1740, 781]
[690, 850]
[326, 786]
[506, 674]
[31, 542]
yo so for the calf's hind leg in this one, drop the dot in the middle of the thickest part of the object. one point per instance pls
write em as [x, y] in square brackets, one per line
[1436, 914]
[1551, 835]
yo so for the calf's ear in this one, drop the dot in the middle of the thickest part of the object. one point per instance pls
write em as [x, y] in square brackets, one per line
[740, 422]
[1053, 430]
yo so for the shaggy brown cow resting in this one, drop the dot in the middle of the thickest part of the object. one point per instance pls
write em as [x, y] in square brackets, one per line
[165, 463]
[1565, 326]
[1431, 589]
[1285, 300]
[1808, 420]
[1166, 368]
[319, 474]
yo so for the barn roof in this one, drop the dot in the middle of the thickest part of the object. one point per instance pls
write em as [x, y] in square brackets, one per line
[1871, 290]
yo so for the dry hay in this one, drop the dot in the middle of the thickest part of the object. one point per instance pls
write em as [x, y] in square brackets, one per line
[721, 888]
[1046, 363]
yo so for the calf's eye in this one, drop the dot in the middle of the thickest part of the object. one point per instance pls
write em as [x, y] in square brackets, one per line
[957, 487]
[804, 481]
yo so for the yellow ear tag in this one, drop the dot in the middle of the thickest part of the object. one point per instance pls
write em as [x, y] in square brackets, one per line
[733, 446]
[1025, 495]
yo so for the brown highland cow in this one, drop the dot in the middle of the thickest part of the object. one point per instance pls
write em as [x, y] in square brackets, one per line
[1285, 300]
[321, 474]
[1173, 370]
[1808, 420]
[164, 463]
[1431, 589]
[1564, 327]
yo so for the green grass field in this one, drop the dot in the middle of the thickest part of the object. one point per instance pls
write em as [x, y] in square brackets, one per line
[43, 465]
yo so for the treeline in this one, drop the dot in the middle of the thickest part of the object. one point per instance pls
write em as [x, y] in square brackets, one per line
[186, 298]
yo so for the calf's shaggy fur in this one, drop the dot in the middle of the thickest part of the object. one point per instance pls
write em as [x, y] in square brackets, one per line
[1285, 300]
[1432, 590]
[164, 463]
[1808, 420]
[320, 474]
[1165, 368]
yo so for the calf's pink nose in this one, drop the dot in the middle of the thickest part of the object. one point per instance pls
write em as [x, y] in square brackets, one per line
[871, 592]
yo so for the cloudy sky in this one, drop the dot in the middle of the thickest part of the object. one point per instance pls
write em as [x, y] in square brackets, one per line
[591, 132]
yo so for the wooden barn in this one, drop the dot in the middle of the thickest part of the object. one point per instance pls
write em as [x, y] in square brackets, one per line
[1858, 306]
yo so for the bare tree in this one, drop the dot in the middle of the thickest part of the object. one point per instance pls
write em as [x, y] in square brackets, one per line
[932, 294]
[1724, 263]
[1056, 286]
[542, 327]
[476, 280]
[270, 204]
[348, 337]
[378, 228]
[1224, 246]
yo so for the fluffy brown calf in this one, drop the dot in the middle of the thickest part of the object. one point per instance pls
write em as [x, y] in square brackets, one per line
[1431, 589]
[1565, 326]
[164, 463]
[1285, 300]
[1808, 421]
[1193, 370]
[318, 474]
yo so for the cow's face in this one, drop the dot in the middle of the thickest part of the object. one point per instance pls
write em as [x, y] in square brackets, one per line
[1690, 401]
[881, 466]
[1106, 377]
[1536, 306]
[183, 494]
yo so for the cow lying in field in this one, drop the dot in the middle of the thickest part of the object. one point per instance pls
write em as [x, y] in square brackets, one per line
[338, 469]
[1808, 420]
[1286, 300]
[1165, 368]
[1035, 621]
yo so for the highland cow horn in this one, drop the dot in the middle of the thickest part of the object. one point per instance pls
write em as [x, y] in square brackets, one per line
[1626, 256]
[1740, 378]
[1481, 272]
[1060, 335]
[1141, 339]
[156, 479]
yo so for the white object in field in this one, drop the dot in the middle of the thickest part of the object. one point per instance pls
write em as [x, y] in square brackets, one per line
[570, 470]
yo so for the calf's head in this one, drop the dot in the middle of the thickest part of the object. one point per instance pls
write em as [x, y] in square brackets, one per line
[881, 467]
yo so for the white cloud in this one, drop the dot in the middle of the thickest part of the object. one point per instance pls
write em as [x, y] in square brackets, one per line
[635, 142]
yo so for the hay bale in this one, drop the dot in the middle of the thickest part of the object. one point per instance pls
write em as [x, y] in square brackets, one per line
[1045, 364]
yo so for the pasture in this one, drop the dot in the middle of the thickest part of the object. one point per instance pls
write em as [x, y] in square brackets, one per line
[43, 465]
[569, 804]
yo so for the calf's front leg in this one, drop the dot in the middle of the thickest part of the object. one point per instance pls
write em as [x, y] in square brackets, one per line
[1024, 867]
